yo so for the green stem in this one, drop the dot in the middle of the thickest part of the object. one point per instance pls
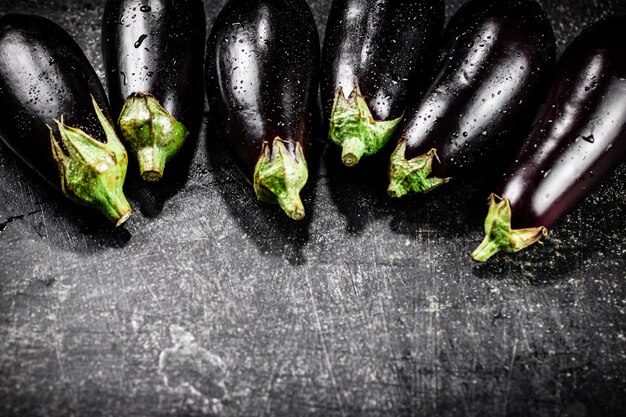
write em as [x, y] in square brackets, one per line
[154, 135]
[280, 175]
[92, 173]
[499, 236]
[412, 176]
[352, 126]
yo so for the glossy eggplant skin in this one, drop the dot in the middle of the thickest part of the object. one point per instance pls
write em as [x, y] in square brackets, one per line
[579, 136]
[383, 45]
[262, 62]
[44, 75]
[497, 56]
[156, 47]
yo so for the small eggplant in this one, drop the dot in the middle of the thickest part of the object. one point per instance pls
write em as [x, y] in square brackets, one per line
[578, 139]
[153, 53]
[375, 53]
[262, 60]
[499, 53]
[55, 115]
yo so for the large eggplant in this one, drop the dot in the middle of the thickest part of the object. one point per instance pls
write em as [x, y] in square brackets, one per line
[498, 54]
[154, 53]
[262, 59]
[56, 117]
[374, 58]
[578, 139]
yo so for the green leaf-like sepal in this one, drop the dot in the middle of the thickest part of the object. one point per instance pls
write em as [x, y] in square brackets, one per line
[353, 127]
[499, 234]
[412, 176]
[154, 136]
[92, 173]
[280, 175]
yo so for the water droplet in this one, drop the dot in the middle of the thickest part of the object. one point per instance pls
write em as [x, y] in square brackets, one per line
[145, 9]
[140, 40]
[589, 138]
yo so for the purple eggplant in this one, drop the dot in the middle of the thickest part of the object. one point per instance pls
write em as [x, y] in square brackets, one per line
[375, 56]
[56, 117]
[578, 139]
[154, 53]
[497, 57]
[262, 60]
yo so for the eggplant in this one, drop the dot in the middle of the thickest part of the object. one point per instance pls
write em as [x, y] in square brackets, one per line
[56, 117]
[153, 52]
[499, 54]
[578, 139]
[262, 63]
[374, 57]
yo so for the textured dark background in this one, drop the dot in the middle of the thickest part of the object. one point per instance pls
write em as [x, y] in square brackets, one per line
[207, 302]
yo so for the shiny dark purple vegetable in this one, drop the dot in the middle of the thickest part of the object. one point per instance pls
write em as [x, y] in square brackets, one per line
[55, 115]
[153, 52]
[497, 55]
[376, 54]
[578, 139]
[262, 59]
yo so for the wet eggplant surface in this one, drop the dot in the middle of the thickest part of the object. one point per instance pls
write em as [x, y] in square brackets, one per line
[208, 302]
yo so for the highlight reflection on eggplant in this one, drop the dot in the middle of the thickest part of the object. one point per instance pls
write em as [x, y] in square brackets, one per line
[262, 59]
[498, 54]
[153, 52]
[55, 115]
[374, 56]
[578, 139]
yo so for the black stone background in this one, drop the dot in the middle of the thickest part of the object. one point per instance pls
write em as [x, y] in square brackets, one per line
[207, 302]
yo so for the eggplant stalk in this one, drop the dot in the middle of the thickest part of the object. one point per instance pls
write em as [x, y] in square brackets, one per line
[279, 176]
[92, 173]
[499, 234]
[353, 127]
[412, 176]
[153, 135]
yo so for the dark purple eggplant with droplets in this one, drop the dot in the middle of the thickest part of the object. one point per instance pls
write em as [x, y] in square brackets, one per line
[497, 56]
[56, 117]
[154, 53]
[578, 139]
[376, 55]
[262, 60]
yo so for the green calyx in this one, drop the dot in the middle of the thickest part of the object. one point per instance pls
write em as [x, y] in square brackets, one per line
[279, 176]
[499, 234]
[153, 134]
[412, 176]
[92, 173]
[354, 129]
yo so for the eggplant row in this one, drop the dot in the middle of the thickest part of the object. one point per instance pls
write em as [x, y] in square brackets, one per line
[153, 52]
[496, 57]
[56, 117]
[578, 139]
[375, 56]
[261, 84]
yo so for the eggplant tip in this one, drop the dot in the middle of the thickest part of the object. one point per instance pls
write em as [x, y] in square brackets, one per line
[499, 236]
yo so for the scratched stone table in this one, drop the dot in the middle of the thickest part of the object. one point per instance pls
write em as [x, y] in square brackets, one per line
[208, 303]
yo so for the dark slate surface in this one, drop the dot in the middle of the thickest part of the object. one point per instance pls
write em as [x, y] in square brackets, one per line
[209, 303]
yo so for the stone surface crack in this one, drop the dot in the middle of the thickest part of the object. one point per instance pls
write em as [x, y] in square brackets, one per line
[8, 221]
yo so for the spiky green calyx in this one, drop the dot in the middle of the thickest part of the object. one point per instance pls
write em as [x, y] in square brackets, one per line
[412, 176]
[92, 173]
[279, 176]
[499, 234]
[154, 136]
[353, 127]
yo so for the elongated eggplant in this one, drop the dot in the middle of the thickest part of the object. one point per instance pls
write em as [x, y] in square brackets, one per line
[153, 52]
[578, 139]
[262, 60]
[56, 117]
[499, 52]
[374, 56]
